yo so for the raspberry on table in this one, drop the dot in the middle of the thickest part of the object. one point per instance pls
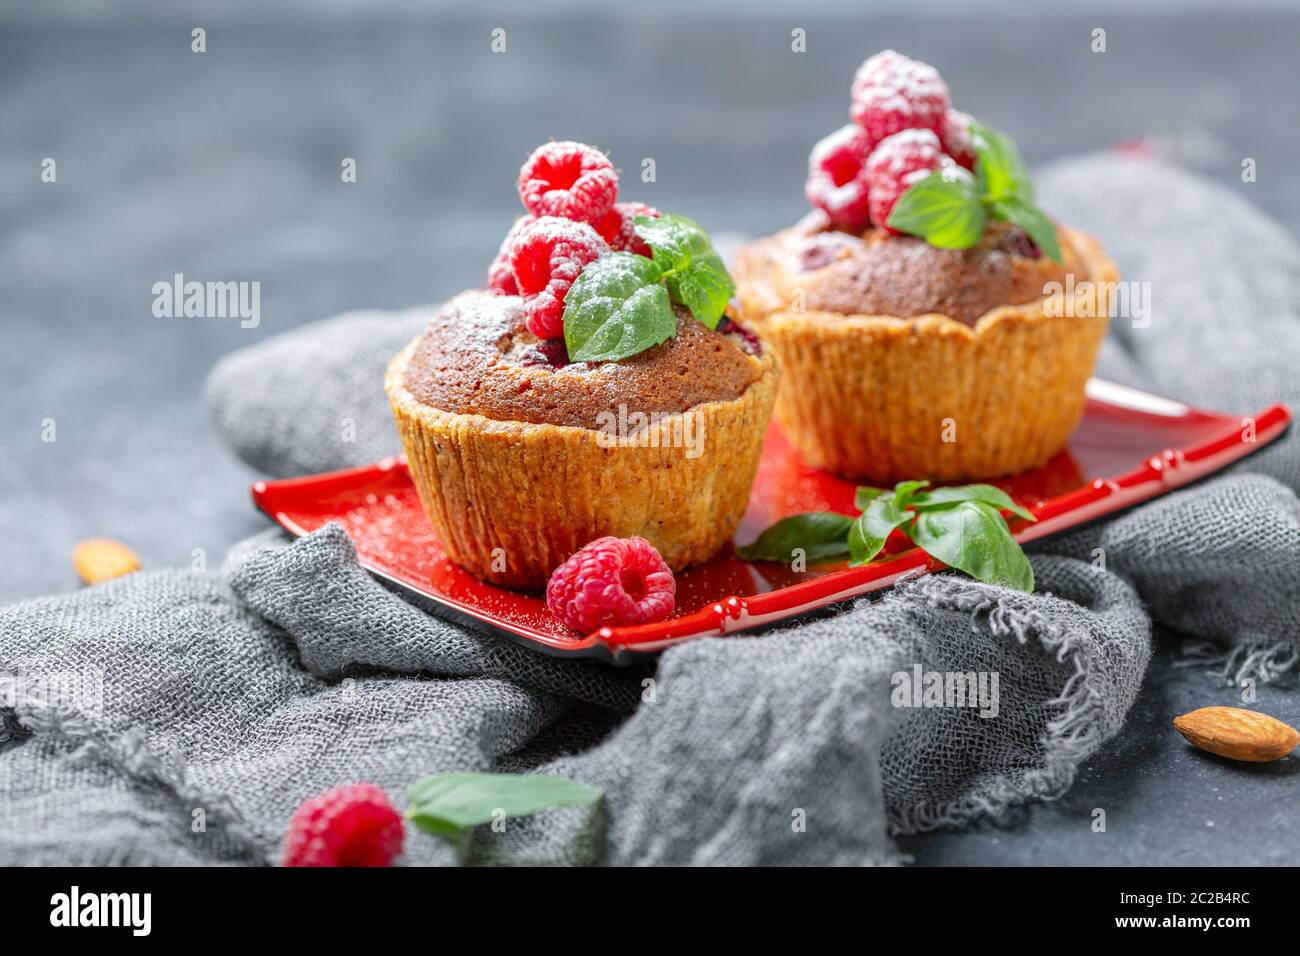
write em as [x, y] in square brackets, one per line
[954, 134]
[899, 162]
[546, 258]
[618, 229]
[892, 92]
[569, 180]
[612, 581]
[837, 181]
[500, 277]
[346, 826]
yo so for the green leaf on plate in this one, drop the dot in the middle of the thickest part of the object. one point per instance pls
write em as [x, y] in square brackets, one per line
[872, 528]
[904, 490]
[865, 494]
[821, 535]
[947, 497]
[617, 307]
[973, 537]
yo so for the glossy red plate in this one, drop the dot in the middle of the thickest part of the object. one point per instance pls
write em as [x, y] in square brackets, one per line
[1130, 446]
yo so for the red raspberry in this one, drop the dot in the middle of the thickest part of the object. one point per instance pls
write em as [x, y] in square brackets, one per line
[570, 180]
[500, 277]
[546, 258]
[892, 92]
[837, 181]
[897, 163]
[612, 581]
[954, 134]
[618, 229]
[346, 826]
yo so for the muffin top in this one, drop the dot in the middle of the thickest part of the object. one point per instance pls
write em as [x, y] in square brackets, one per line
[478, 357]
[875, 274]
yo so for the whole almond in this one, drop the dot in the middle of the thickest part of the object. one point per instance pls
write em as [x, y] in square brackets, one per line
[102, 559]
[1238, 734]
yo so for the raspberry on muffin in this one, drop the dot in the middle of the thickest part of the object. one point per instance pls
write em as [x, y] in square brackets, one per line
[508, 404]
[942, 306]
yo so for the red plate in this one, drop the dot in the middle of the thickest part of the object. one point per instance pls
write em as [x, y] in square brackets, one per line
[1131, 446]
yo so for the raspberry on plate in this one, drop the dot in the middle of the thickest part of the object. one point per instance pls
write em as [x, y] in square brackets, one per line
[569, 180]
[892, 92]
[897, 163]
[346, 826]
[546, 258]
[618, 229]
[837, 181]
[500, 277]
[954, 134]
[612, 581]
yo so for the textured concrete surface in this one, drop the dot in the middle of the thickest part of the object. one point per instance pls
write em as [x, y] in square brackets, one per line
[225, 166]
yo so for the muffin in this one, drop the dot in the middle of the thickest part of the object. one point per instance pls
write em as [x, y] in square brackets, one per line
[957, 353]
[523, 453]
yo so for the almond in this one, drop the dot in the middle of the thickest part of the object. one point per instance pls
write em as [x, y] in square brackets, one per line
[1238, 734]
[102, 559]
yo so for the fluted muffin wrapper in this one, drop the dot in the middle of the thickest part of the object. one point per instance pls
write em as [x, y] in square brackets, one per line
[883, 399]
[511, 500]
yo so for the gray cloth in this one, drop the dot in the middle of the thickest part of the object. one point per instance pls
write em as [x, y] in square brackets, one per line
[229, 697]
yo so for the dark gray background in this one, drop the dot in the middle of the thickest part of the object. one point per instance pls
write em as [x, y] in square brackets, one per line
[225, 166]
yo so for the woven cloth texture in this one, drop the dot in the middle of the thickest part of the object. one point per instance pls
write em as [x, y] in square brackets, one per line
[178, 718]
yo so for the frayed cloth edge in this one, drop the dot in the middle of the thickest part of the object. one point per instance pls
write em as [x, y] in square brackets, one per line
[1070, 737]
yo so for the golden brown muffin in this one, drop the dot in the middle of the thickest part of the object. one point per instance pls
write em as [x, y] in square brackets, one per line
[520, 457]
[901, 360]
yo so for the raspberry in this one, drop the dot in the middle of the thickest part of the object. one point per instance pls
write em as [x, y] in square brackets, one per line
[552, 353]
[618, 229]
[346, 826]
[569, 180]
[546, 258]
[500, 277]
[897, 163]
[954, 134]
[837, 182]
[892, 92]
[612, 581]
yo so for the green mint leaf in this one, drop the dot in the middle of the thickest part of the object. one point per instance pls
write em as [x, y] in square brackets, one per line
[447, 804]
[1001, 172]
[1035, 223]
[864, 495]
[821, 535]
[947, 497]
[973, 537]
[872, 529]
[704, 287]
[944, 209]
[692, 269]
[905, 490]
[617, 308]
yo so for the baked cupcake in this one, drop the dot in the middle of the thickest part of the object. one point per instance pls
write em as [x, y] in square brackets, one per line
[597, 388]
[930, 320]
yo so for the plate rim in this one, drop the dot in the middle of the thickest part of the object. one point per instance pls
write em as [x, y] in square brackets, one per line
[1157, 474]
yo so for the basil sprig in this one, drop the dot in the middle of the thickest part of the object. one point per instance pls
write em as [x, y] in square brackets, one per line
[962, 526]
[950, 209]
[621, 304]
[449, 805]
